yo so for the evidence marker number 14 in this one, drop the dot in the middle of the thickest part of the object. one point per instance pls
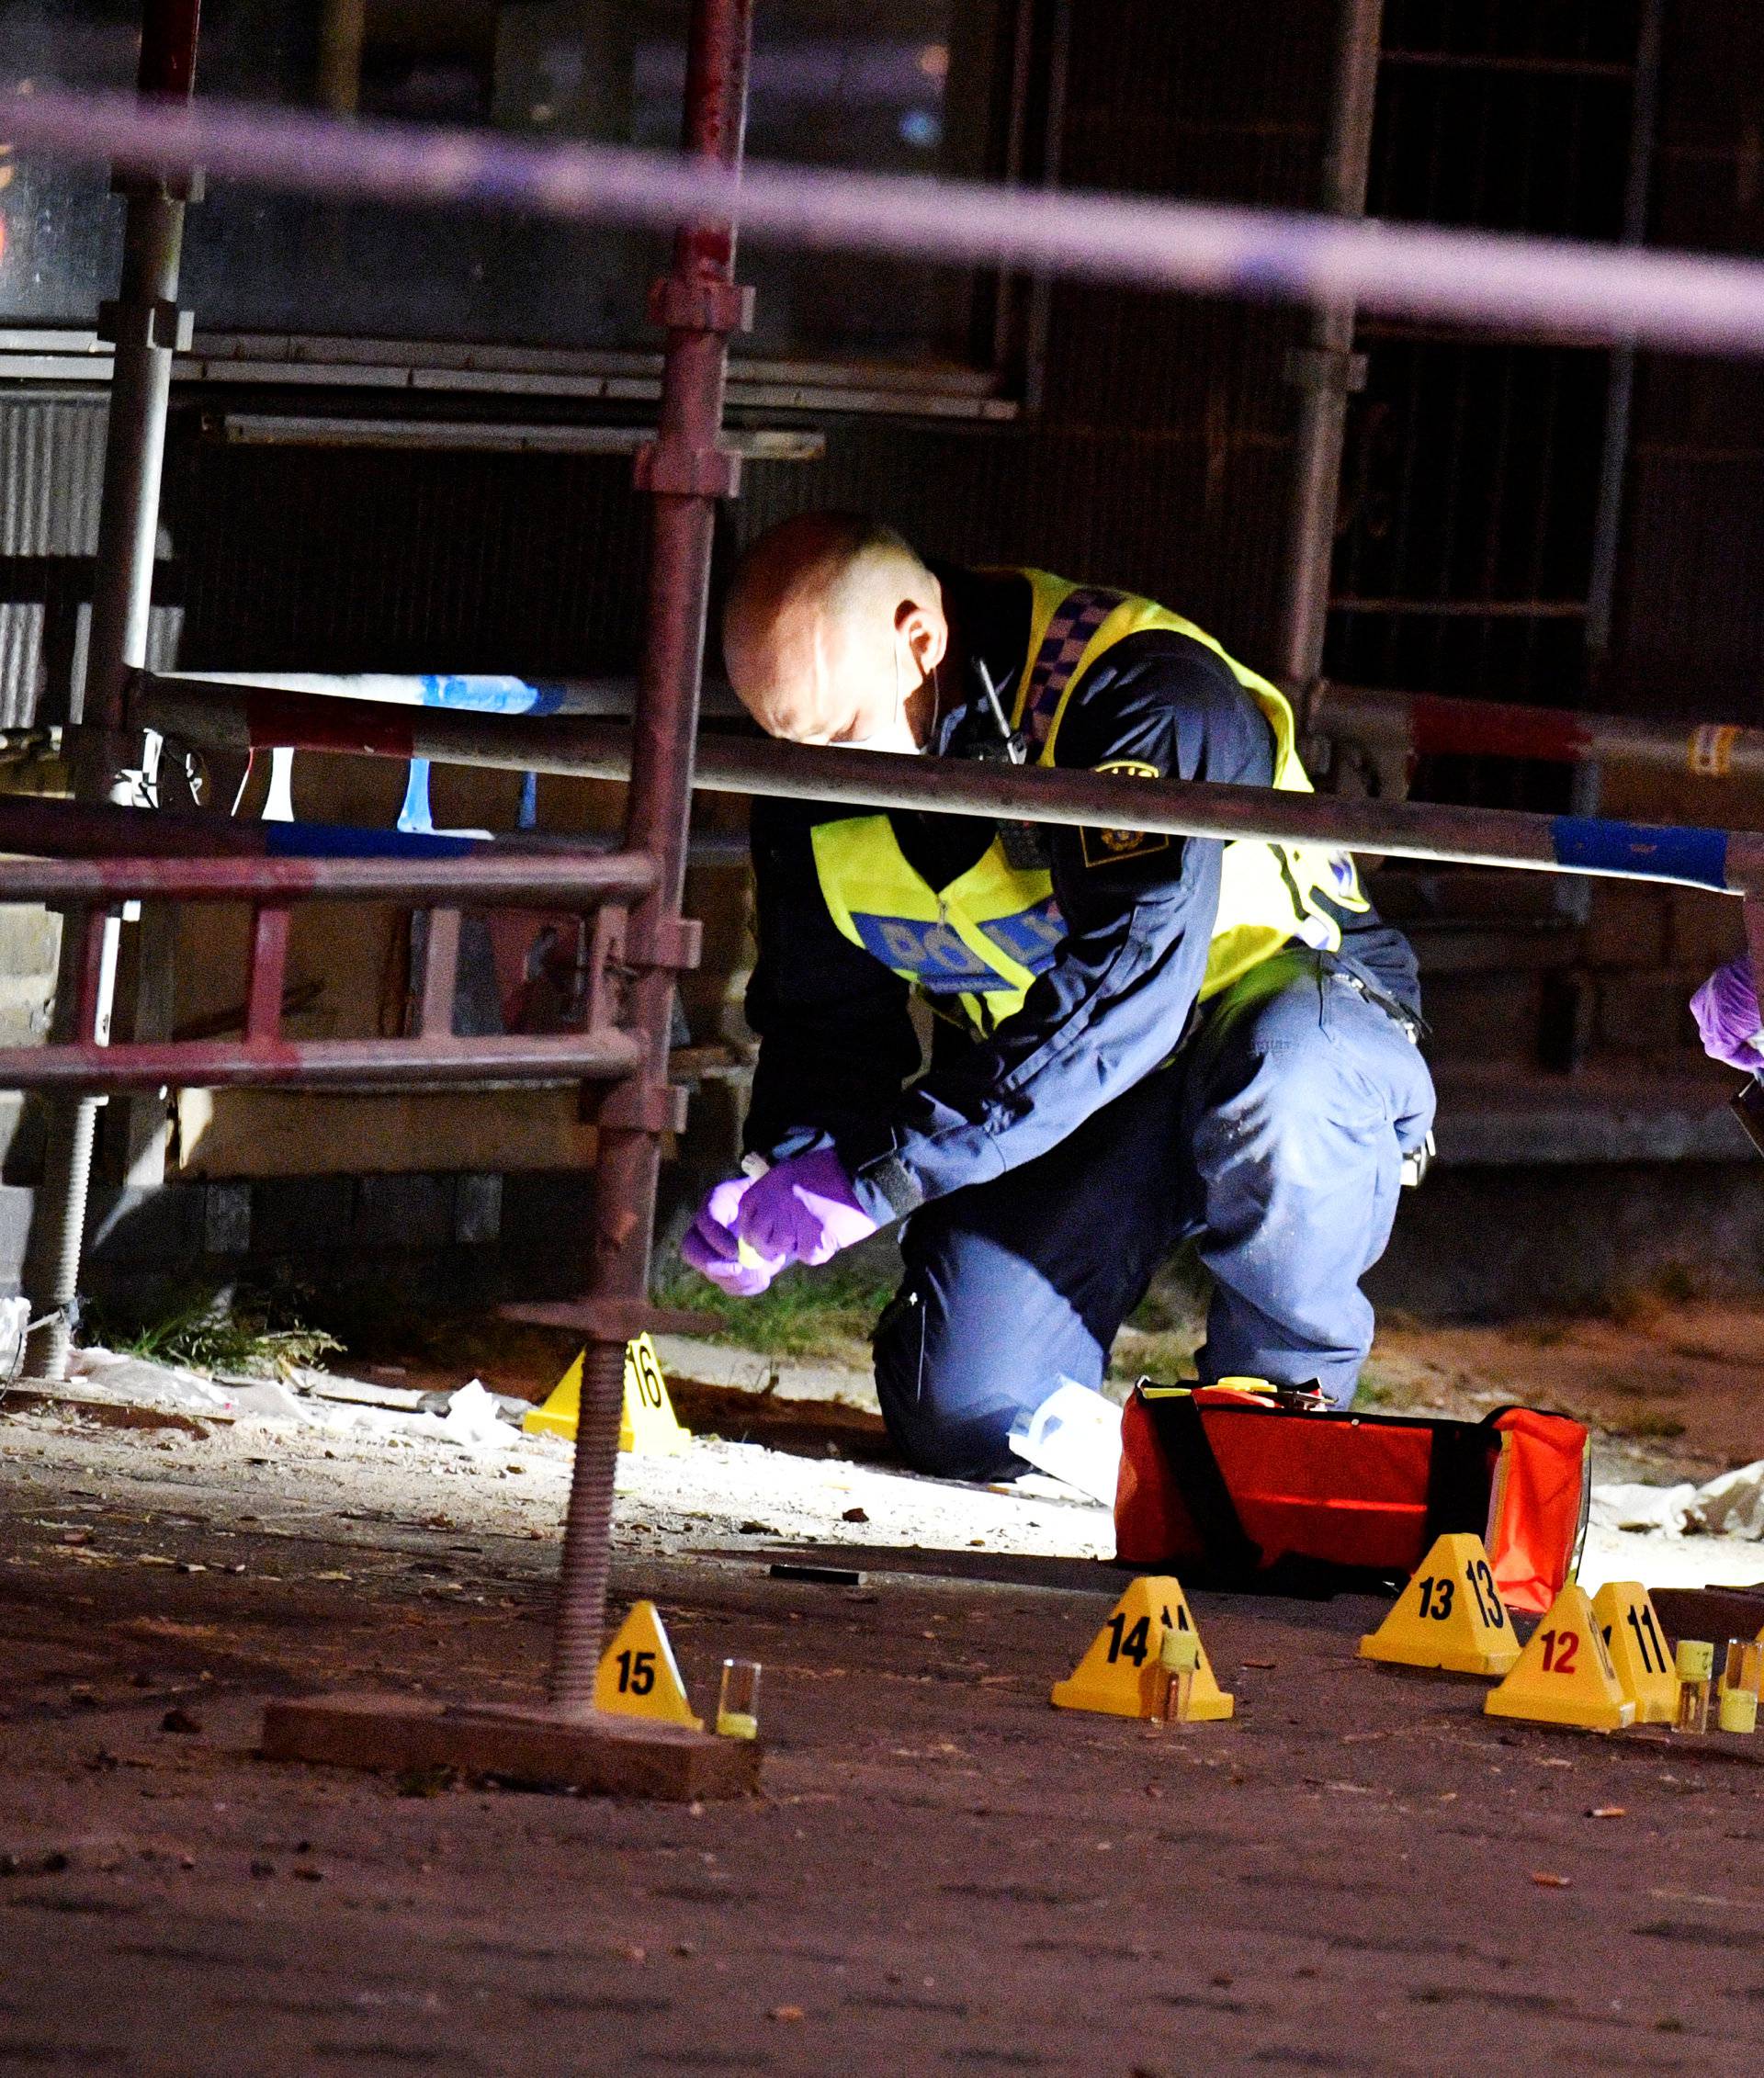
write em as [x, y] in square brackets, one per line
[1119, 1675]
[1134, 1644]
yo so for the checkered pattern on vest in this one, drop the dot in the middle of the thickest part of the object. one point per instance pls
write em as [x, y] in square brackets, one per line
[1069, 635]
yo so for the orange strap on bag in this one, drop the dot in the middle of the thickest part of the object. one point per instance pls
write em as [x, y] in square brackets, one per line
[1226, 1488]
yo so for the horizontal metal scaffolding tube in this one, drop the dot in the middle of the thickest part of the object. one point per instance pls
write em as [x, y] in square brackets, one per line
[489, 879]
[322, 1064]
[49, 828]
[486, 692]
[1730, 863]
[1620, 294]
[1433, 726]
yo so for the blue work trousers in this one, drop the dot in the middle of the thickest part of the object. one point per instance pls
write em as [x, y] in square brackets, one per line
[1275, 1139]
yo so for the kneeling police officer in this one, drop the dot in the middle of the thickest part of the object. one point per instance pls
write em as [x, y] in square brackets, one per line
[1137, 1039]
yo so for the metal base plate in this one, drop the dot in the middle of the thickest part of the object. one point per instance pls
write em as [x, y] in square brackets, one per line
[621, 1757]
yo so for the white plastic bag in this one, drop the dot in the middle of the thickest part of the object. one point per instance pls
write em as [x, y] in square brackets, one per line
[1073, 1435]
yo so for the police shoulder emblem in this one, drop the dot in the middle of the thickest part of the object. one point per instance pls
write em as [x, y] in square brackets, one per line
[1105, 847]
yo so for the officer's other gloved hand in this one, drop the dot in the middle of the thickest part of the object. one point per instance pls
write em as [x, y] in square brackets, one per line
[1725, 1009]
[714, 1250]
[804, 1210]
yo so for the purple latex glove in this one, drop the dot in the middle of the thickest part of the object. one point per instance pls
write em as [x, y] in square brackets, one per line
[804, 1211]
[713, 1249]
[1725, 1009]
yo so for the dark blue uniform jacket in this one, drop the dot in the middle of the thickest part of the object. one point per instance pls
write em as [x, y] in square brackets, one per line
[838, 1046]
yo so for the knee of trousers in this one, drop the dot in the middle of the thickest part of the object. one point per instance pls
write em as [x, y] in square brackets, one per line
[1299, 1117]
[949, 1407]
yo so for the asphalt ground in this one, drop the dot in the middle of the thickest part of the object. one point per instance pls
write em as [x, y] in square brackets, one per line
[1361, 1873]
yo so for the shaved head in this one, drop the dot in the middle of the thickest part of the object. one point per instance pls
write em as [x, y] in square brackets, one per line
[832, 631]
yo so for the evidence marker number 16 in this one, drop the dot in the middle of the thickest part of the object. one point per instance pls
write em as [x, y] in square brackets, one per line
[646, 1373]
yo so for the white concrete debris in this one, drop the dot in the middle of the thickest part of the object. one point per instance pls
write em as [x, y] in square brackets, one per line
[1732, 1505]
[1657, 1509]
[408, 1439]
[15, 1319]
[473, 1419]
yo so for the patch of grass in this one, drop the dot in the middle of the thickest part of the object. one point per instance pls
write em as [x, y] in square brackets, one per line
[1634, 1305]
[1166, 1356]
[1679, 1284]
[828, 1313]
[1545, 1332]
[1160, 1337]
[1641, 1305]
[1662, 1428]
[1176, 1302]
[241, 1334]
[1396, 1392]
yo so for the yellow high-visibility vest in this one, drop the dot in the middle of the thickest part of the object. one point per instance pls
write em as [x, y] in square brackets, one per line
[979, 943]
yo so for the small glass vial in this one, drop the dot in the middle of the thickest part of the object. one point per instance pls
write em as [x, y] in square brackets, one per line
[1696, 1664]
[1738, 1710]
[1179, 1654]
[1745, 1668]
[1737, 1697]
[738, 1701]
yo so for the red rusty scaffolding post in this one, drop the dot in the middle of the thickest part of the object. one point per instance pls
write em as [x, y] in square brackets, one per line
[145, 327]
[686, 471]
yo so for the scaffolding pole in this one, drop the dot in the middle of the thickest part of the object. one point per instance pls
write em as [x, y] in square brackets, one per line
[1402, 726]
[145, 327]
[1728, 861]
[686, 472]
[1327, 370]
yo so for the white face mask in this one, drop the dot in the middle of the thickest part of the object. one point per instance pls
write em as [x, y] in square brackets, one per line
[897, 736]
[894, 735]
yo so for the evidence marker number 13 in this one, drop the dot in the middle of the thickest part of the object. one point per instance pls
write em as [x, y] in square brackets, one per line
[1437, 1595]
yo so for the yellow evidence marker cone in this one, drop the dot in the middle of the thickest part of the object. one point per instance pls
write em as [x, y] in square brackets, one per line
[1565, 1675]
[648, 1425]
[1638, 1652]
[1118, 1675]
[638, 1676]
[1450, 1616]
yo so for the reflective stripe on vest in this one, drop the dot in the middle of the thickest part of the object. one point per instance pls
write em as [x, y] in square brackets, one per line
[980, 941]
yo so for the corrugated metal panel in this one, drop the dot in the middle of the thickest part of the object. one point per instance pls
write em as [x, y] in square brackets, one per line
[1695, 627]
[1158, 461]
[21, 655]
[1162, 457]
[52, 467]
[1689, 618]
[164, 635]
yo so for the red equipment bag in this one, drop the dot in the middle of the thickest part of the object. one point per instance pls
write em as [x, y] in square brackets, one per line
[1231, 1489]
